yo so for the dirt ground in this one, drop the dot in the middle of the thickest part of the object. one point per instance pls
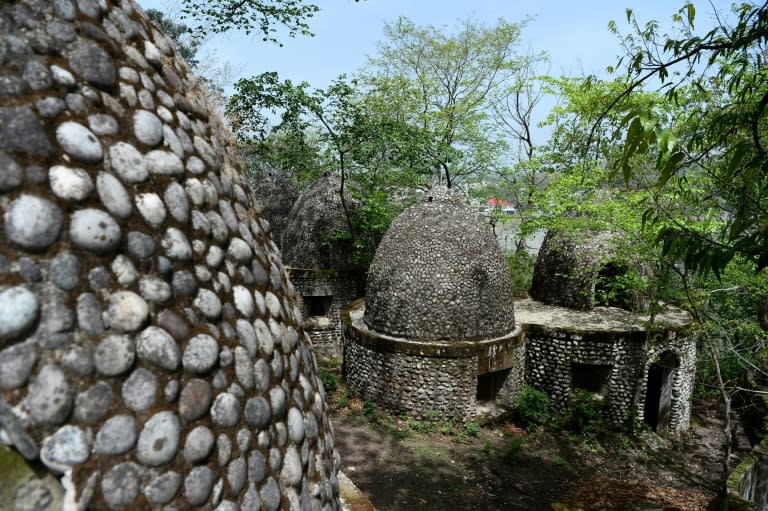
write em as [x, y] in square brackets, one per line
[402, 464]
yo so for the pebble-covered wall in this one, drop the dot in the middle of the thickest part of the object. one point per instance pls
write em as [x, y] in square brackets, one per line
[439, 274]
[150, 347]
[320, 263]
[275, 196]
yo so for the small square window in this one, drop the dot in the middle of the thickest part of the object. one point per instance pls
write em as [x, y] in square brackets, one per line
[590, 377]
[318, 306]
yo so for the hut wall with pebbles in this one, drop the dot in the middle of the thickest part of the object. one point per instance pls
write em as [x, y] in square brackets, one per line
[275, 197]
[151, 352]
[320, 262]
[436, 331]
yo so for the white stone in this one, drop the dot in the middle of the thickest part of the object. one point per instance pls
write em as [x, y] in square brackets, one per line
[154, 289]
[164, 163]
[19, 308]
[176, 202]
[176, 245]
[239, 251]
[94, 230]
[195, 191]
[243, 300]
[147, 128]
[126, 311]
[208, 303]
[113, 195]
[79, 141]
[68, 447]
[151, 207]
[70, 183]
[62, 76]
[195, 165]
[128, 163]
[33, 223]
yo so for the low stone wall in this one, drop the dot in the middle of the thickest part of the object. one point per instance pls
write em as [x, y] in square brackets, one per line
[747, 485]
[343, 286]
[420, 377]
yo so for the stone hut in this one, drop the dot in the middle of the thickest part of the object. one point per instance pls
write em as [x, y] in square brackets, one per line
[151, 352]
[320, 262]
[276, 196]
[436, 331]
[634, 366]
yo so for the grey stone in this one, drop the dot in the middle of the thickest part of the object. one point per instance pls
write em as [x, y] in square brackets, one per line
[164, 163]
[223, 449]
[139, 390]
[30, 270]
[214, 257]
[171, 390]
[60, 75]
[257, 466]
[65, 271]
[176, 202]
[78, 360]
[126, 311]
[50, 107]
[113, 195]
[90, 61]
[22, 131]
[225, 357]
[173, 324]
[164, 265]
[35, 494]
[243, 368]
[225, 411]
[49, 397]
[247, 337]
[33, 223]
[37, 75]
[57, 321]
[89, 314]
[128, 163]
[94, 230]
[195, 399]
[200, 354]
[197, 485]
[140, 246]
[145, 99]
[154, 289]
[151, 207]
[12, 86]
[121, 485]
[159, 439]
[147, 128]
[98, 278]
[163, 488]
[204, 149]
[16, 363]
[11, 174]
[76, 103]
[114, 355]
[103, 124]
[236, 475]
[67, 447]
[277, 400]
[266, 341]
[184, 283]
[93, 403]
[198, 445]
[270, 495]
[176, 245]
[156, 346]
[79, 142]
[258, 413]
[116, 436]
[261, 375]
[208, 303]
[251, 499]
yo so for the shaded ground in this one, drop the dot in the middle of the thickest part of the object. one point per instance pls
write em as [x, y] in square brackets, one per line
[403, 464]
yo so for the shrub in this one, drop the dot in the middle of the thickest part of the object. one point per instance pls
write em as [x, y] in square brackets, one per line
[473, 429]
[330, 381]
[532, 408]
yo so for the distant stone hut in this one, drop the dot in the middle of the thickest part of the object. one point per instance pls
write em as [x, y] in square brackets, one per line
[638, 368]
[436, 332]
[320, 262]
[276, 196]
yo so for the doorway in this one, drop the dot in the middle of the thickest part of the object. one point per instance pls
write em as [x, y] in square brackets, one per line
[658, 392]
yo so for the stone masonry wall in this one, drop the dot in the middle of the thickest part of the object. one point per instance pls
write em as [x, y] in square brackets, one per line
[326, 333]
[422, 384]
[515, 380]
[551, 352]
[151, 354]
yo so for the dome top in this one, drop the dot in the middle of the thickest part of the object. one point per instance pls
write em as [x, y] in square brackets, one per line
[310, 239]
[276, 196]
[579, 270]
[439, 274]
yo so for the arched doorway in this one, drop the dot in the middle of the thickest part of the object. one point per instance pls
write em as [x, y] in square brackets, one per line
[658, 392]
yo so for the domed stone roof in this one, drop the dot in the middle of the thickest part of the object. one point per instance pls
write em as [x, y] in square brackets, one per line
[439, 274]
[572, 269]
[276, 196]
[311, 237]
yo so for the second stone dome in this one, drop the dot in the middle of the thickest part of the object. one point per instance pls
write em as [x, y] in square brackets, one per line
[439, 274]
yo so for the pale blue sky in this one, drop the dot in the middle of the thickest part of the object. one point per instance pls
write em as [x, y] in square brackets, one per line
[574, 33]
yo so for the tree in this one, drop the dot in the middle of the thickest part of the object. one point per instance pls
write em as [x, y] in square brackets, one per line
[446, 84]
[719, 79]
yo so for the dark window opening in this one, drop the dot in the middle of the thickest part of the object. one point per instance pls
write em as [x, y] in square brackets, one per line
[590, 377]
[611, 287]
[489, 384]
[318, 305]
[658, 392]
